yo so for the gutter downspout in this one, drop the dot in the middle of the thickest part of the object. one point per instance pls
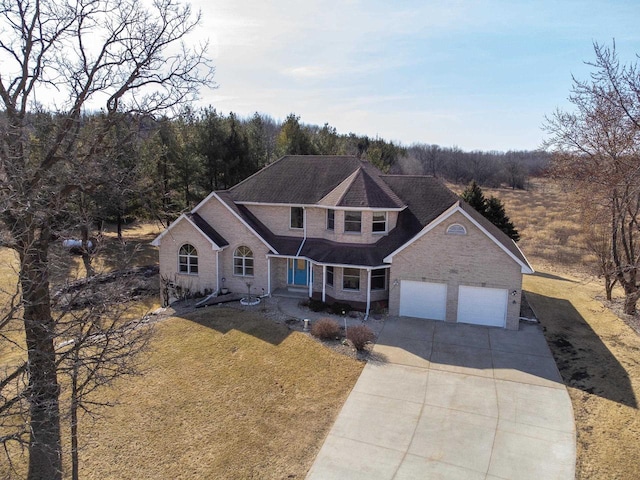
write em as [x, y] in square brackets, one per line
[218, 271]
[366, 314]
[268, 276]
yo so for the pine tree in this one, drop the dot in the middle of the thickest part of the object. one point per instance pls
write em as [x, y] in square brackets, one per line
[495, 214]
[492, 209]
[473, 196]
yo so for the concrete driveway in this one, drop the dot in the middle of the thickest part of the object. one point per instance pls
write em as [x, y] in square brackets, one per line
[453, 401]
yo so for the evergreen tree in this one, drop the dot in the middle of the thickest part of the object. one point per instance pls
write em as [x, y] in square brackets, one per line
[473, 196]
[495, 214]
[492, 209]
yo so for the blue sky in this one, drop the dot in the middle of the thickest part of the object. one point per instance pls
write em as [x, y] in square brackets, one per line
[475, 74]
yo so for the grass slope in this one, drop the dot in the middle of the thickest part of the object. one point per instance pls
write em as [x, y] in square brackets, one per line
[599, 358]
[225, 394]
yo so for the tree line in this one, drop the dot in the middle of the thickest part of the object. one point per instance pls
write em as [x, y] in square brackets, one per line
[491, 169]
[163, 166]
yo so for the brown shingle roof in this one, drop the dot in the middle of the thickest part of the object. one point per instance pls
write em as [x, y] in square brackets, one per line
[318, 179]
[295, 179]
[208, 230]
[426, 197]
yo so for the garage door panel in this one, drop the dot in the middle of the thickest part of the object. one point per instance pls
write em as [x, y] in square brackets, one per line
[423, 299]
[482, 306]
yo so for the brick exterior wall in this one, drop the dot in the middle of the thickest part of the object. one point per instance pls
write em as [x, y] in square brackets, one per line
[277, 219]
[471, 259]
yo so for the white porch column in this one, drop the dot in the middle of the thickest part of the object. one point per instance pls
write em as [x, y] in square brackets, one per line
[310, 278]
[218, 271]
[324, 283]
[366, 315]
[268, 275]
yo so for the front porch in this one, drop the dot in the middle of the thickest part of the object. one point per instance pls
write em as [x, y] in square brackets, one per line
[301, 277]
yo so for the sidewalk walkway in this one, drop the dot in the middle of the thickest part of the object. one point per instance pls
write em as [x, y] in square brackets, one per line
[453, 401]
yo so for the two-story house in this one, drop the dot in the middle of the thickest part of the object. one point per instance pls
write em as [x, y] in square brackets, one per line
[338, 229]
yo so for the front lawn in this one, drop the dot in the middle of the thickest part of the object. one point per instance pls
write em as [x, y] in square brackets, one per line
[225, 394]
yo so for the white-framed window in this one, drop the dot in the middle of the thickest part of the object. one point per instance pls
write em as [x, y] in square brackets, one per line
[243, 261]
[188, 259]
[353, 222]
[330, 276]
[456, 229]
[379, 279]
[297, 217]
[331, 219]
[379, 224]
[350, 279]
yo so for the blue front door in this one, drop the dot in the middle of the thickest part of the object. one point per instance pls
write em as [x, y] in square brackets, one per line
[297, 272]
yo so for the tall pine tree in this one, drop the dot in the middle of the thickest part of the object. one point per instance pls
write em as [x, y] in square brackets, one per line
[492, 209]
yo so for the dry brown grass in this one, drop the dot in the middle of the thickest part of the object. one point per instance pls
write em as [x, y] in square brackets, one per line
[597, 354]
[548, 222]
[225, 394]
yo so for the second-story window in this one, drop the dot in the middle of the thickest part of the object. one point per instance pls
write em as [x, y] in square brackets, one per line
[331, 219]
[379, 224]
[297, 217]
[353, 222]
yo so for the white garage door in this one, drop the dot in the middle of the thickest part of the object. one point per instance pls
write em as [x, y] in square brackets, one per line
[482, 306]
[423, 299]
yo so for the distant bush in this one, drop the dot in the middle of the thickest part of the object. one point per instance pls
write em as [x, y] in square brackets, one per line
[325, 329]
[359, 336]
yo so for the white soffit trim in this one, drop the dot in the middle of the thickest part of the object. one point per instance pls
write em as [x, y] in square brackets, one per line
[213, 194]
[525, 267]
[158, 239]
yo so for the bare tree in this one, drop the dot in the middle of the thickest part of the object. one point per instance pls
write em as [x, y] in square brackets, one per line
[58, 59]
[97, 344]
[597, 150]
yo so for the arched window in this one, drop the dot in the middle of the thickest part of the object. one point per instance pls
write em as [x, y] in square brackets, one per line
[456, 229]
[188, 259]
[243, 262]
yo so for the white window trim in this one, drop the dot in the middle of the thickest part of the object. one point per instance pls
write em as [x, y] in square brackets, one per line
[333, 229]
[244, 266]
[188, 256]
[352, 232]
[386, 223]
[359, 280]
[456, 229]
[291, 217]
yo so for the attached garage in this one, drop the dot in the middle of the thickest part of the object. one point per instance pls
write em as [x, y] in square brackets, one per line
[482, 306]
[423, 299]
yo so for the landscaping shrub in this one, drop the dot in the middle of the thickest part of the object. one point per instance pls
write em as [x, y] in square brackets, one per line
[325, 329]
[317, 305]
[359, 336]
[340, 308]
